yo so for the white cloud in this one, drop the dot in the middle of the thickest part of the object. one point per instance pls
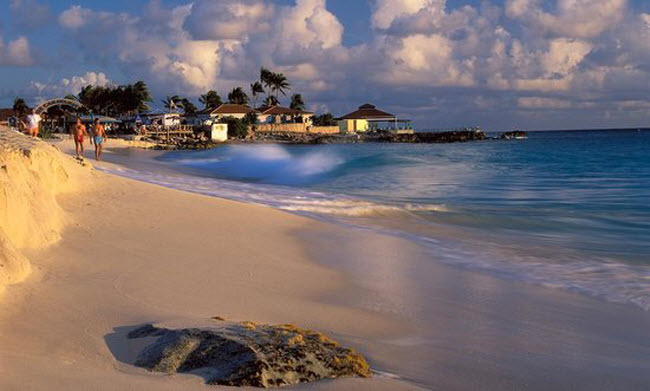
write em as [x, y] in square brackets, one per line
[228, 19]
[75, 17]
[427, 57]
[16, 52]
[387, 11]
[67, 86]
[573, 18]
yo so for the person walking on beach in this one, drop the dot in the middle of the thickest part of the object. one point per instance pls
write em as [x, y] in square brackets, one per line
[33, 121]
[99, 134]
[78, 133]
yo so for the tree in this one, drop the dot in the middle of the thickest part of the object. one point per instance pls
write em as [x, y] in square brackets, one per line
[114, 100]
[274, 82]
[326, 119]
[266, 78]
[256, 90]
[20, 107]
[279, 83]
[238, 96]
[211, 100]
[270, 101]
[140, 97]
[297, 102]
[188, 107]
[172, 102]
[237, 128]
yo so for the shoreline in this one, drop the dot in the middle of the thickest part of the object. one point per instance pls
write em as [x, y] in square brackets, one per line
[439, 326]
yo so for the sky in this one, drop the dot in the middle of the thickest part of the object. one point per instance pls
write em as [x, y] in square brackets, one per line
[499, 64]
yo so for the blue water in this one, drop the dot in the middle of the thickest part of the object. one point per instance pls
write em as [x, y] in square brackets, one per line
[569, 210]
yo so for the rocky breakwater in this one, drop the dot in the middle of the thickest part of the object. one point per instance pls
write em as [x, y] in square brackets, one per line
[302, 138]
[378, 137]
[517, 134]
[248, 354]
[184, 144]
[427, 137]
[32, 173]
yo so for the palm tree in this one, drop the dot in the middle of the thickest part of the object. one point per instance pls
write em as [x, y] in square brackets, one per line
[280, 83]
[297, 102]
[238, 96]
[270, 101]
[142, 96]
[211, 100]
[20, 107]
[188, 107]
[256, 90]
[172, 102]
[266, 78]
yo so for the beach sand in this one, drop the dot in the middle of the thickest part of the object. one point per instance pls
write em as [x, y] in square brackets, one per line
[133, 253]
[130, 253]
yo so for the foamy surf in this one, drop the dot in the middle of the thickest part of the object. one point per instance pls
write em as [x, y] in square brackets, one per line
[261, 163]
[289, 199]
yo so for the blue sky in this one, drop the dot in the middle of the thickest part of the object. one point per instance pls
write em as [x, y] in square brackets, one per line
[497, 63]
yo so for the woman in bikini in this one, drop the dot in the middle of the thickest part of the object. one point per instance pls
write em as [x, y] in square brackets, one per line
[99, 134]
[78, 133]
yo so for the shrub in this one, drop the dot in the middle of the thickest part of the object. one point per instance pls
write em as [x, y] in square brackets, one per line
[237, 128]
[326, 119]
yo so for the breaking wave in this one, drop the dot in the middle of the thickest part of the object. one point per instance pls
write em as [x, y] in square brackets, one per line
[261, 164]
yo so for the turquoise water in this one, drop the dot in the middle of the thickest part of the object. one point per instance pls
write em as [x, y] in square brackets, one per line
[564, 209]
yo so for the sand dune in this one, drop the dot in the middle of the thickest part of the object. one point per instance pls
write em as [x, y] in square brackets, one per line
[32, 174]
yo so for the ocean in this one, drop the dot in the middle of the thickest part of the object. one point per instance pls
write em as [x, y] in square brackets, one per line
[568, 210]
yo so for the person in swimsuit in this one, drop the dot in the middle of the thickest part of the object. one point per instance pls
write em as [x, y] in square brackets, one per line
[33, 121]
[99, 134]
[78, 132]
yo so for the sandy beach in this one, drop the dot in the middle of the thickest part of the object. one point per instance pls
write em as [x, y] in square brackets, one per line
[108, 253]
[132, 253]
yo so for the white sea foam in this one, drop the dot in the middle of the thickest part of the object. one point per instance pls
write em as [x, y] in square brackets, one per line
[289, 199]
[264, 163]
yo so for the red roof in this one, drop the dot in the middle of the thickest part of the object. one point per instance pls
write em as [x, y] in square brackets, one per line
[231, 108]
[368, 111]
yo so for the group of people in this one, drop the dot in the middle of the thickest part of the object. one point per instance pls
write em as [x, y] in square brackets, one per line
[78, 132]
[98, 136]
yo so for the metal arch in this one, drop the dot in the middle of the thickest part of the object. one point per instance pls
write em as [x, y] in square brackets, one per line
[43, 106]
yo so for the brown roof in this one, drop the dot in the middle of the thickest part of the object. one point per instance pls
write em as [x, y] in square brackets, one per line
[368, 111]
[279, 110]
[231, 108]
[5, 114]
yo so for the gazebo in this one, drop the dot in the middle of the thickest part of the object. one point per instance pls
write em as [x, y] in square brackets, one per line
[368, 119]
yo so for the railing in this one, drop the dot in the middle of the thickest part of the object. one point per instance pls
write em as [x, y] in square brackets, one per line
[157, 130]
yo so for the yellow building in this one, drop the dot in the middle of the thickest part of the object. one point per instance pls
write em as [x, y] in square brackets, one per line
[368, 118]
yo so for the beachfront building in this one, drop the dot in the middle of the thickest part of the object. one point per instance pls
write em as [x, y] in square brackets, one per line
[367, 118]
[227, 110]
[283, 115]
[160, 118]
